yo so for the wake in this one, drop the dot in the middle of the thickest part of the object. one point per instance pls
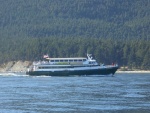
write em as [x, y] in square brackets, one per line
[13, 74]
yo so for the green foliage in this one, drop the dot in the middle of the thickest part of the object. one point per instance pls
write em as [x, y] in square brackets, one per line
[112, 30]
[75, 18]
[133, 53]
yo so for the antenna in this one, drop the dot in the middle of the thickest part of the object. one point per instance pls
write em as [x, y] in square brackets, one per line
[89, 56]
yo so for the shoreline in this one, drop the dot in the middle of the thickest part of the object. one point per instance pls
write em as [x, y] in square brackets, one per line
[22, 66]
[117, 72]
[139, 71]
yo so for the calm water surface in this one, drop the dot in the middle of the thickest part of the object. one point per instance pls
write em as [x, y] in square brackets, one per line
[124, 93]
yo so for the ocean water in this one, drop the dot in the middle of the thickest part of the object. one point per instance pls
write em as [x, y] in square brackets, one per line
[123, 93]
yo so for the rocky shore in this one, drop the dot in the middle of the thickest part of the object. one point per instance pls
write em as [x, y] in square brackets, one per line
[15, 66]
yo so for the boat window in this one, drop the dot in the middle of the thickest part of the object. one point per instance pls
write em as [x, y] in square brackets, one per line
[70, 60]
[52, 60]
[84, 59]
[55, 67]
[56, 60]
[75, 60]
[90, 62]
[65, 60]
[80, 59]
[61, 60]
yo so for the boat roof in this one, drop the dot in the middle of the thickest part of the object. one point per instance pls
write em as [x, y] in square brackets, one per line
[75, 58]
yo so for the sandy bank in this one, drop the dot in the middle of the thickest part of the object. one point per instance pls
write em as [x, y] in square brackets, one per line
[15, 66]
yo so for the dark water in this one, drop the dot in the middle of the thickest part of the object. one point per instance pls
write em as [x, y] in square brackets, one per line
[124, 93]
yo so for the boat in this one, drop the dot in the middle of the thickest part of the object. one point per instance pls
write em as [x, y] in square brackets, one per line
[70, 66]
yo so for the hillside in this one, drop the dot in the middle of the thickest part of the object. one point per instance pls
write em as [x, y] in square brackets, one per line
[75, 18]
[133, 53]
[112, 30]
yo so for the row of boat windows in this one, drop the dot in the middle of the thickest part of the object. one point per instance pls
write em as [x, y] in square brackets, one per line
[56, 67]
[75, 60]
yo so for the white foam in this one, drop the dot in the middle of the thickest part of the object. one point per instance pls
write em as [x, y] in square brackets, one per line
[13, 74]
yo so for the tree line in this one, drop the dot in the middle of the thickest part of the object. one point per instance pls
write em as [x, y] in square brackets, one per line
[75, 18]
[132, 53]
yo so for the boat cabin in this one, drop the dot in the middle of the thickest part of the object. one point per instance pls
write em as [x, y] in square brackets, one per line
[67, 60]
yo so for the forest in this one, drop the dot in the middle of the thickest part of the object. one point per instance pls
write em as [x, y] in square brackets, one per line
[115, 31]
[132, 53]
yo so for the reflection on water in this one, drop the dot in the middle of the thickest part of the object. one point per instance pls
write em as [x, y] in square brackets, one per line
[122, 93]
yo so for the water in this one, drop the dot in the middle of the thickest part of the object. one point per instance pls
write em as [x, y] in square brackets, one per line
[124, 93]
